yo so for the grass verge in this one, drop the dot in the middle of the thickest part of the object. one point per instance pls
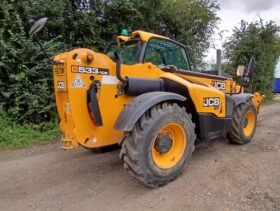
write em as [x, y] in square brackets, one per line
[19, 136]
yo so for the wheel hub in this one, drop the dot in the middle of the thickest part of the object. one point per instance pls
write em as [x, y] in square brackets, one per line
[163, 143]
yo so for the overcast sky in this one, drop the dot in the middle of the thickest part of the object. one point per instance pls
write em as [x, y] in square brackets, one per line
[233, 11]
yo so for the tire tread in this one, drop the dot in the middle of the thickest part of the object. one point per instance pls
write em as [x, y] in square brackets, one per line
[235, 135]
[131, 146]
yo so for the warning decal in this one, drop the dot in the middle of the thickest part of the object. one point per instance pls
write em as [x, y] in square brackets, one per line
[78, 82]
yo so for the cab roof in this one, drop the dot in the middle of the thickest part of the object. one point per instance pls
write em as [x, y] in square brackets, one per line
[144, 36]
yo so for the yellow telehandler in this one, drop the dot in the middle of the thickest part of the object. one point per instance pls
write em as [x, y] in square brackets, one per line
[142, 93]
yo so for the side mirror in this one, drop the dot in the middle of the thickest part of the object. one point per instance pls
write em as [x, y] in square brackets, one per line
[240, 70]
[37, 26]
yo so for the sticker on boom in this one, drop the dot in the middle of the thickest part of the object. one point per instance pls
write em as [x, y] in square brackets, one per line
[219, 85]
[211, 102]
[78, 82]
[89, 70]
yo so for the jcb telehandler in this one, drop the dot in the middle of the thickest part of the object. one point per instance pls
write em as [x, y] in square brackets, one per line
[143, 94]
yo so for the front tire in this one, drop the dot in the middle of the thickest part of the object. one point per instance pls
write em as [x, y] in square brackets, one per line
[160, 144]
[244, 122]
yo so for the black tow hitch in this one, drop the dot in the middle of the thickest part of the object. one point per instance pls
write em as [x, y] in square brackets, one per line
[93, 106]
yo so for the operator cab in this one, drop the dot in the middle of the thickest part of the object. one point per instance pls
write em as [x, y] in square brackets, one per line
[143, 47]
[166, 54]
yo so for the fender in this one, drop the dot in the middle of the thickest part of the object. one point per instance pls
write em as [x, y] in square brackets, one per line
[139, 105]
[241, 98]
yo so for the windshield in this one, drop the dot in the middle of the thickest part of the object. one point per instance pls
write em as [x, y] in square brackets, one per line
[130, 51]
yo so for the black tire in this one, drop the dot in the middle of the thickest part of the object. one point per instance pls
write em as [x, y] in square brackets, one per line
[236, 134]
[136, 152]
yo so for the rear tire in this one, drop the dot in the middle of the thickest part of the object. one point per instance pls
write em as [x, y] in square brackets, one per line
[244, 122]
[160, 144]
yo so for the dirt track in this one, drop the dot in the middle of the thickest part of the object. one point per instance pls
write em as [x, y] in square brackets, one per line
[220, 176]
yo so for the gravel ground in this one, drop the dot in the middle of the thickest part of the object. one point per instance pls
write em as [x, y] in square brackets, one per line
[220, 176]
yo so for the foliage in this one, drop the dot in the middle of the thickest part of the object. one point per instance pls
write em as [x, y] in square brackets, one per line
[15, 136]
[192, 23]
[26, 92]
[257, 39]
[25, 76]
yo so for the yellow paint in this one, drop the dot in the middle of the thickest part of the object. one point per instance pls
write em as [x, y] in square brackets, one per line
[179, 142]
[257, 101]
[121, 39]
[198, 93]
[146, 36]
[250, 123]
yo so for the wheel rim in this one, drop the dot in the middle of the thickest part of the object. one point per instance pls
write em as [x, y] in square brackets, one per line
[167, 157]
[249, 123]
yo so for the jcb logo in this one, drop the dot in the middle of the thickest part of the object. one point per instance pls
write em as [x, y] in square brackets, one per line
[60, 85]
[211, 101]
[219, 85]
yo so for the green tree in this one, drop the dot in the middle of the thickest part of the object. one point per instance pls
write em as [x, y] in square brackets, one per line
[26, 89]
[26, 92]
[25, 76]
[192, 23]
[257, 39]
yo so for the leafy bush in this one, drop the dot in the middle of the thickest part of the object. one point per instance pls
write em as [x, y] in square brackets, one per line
[26, 90]
[260, 40]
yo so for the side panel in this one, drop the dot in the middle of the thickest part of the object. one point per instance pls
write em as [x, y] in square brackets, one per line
[212, 121]
[205, 98]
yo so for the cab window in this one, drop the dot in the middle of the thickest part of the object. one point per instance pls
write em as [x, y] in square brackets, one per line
[165, 52]
[129, 51]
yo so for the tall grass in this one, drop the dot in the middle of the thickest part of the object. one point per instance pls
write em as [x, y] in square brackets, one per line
[18, 136]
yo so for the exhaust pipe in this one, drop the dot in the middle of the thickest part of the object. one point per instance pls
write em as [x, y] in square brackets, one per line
[118, 67]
